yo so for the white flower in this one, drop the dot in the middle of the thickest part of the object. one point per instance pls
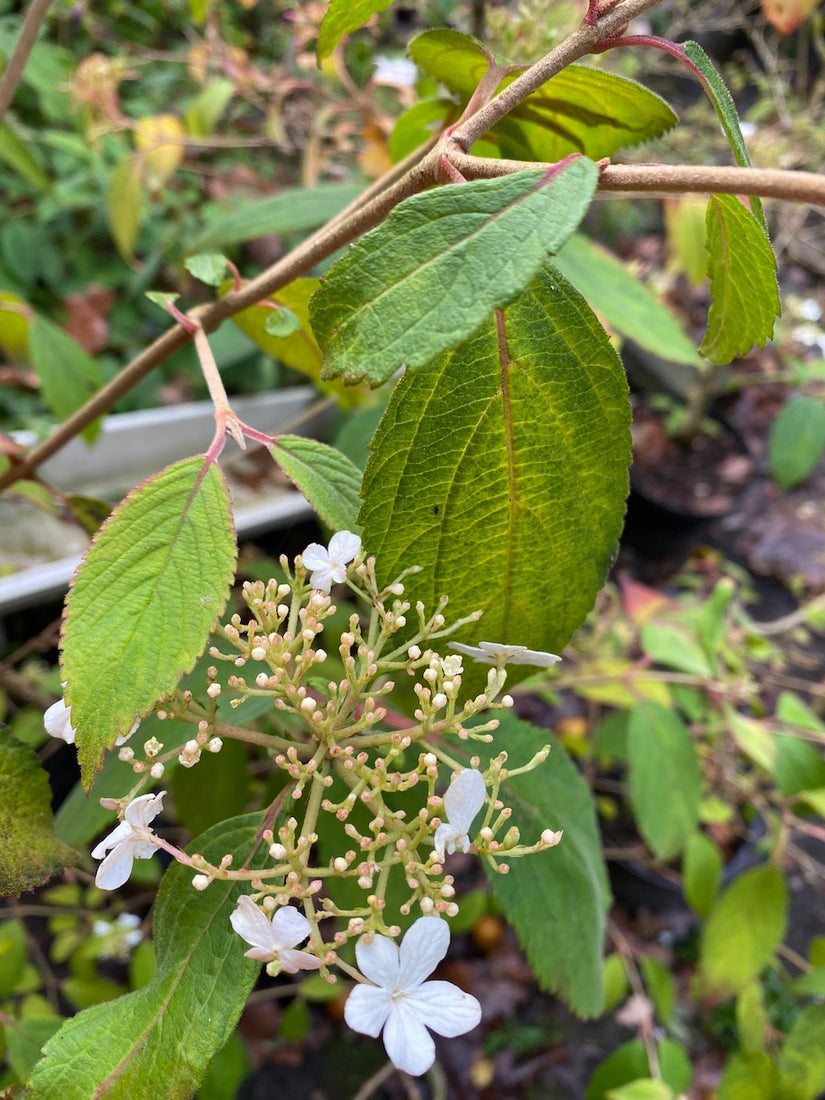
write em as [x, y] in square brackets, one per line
[58, 722]
[402, 1002]
[276, 938]
[451, 666]
[331, 565]
[493, 653]
[462, 802]
[131, 840]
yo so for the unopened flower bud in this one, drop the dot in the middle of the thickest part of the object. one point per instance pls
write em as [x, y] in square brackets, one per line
[215, 745]
[156, 771]
[277, 851]
[200, 882]
[213, 691]
[258, 653]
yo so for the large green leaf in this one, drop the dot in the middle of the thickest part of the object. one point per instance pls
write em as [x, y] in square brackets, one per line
[623, 301]
[742, 269]
[293, 210]
[343, 17]
[68, 375]
[580, 110]
[328, 479]
[502, 471]
[745, 927]
[30, 852]
[159, 1040]
[138, 615]
[664, 778]
[432, 273]
[556, 900]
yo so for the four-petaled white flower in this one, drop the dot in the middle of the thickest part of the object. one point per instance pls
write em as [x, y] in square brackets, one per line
[131, 840]
[58, 723]
[330, 565]
[402, 1003]
[462, 802]
[276, 938]
[494, 653]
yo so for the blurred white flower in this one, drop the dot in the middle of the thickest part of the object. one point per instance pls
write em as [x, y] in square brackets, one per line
[58, 723]
[131, 840]
[494, 653]
[276, 938]
[401, 1002]
[330, 565]
[463, 800]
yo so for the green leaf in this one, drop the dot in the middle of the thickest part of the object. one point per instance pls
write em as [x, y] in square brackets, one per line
[343, 17]
[430, 275]
[207, 267]
[143, 601]
[673, 646]
[712, 621]
[12, 955]
[796, 440]
[25, 1040]
[623, 301]
[502, 472]
[123, 203]
[630, 1062]
[328, 479]
[646, 1088]
[756, 742]
[799, 765]
[702, 873]
[742, 270]
[801, 1061]
[68, 375]
[580, 110]
[748, 1077]
[205, 110]
[793, 710]
[725, 108]
[226, 1070]
[299, 350]
[293, 210]
[751, 1018]
[15, 154]
[745, 927]
[812, 983]
[566, 885]
[30, 852]
[281, 322]
[664, 778]
[616, 981]
[158, 1040]
[661, 988]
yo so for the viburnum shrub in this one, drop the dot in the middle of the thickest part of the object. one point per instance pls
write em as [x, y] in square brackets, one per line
[472, 547]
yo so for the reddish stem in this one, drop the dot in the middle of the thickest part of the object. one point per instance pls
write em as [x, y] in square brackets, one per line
[675, 49]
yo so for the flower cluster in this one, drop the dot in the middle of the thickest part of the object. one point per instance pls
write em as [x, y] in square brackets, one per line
[349, 767]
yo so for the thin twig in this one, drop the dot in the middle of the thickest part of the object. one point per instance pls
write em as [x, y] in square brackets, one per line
[578, 45]
[770, 183]
[29, 31]
[372, 1084]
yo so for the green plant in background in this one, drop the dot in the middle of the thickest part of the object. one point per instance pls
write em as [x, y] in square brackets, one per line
[494, 490]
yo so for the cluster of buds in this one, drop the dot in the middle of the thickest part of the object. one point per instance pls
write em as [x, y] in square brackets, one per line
[368, 795]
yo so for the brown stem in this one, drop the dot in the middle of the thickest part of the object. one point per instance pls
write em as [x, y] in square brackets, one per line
[32, 22]
[315, 248]
[579, 44]
[769, 183]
